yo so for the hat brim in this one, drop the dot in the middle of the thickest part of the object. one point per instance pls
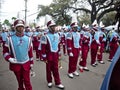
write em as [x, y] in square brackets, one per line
[52, 25]
[19, 25]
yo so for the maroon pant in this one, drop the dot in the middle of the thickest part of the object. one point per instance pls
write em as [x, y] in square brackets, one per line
[37, 52]
[23, 78]
[113, 48]
[94, 49]
[73, 63]
[85, 50]
[52, 68]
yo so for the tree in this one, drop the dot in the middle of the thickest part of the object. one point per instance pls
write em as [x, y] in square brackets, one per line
[6, 22]
[58, 9]
[108, 19]
[61, 9]
[14, 18]
[97, 8]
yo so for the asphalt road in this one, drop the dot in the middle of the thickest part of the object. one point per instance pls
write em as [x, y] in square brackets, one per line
[85, 81]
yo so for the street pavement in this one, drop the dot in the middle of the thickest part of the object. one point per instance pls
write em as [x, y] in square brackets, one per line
[91, 80]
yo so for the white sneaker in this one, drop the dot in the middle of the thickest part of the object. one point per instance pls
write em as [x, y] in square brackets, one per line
[76, 73]
[50, 85]
[60, 86]
[70, 75]
[86, 68]
[101, 62]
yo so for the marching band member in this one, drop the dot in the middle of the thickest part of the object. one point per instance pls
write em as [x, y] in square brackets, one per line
[20, 63]
[114, 37]
[102, 40]
[73, 48]
[86, 42]
[4, 35]
[36, 42]
[95, 45]
[49, 51]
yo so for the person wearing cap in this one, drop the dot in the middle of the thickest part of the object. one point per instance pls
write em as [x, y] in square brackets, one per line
[63, 39]
[12, 31]
[20, 63]
[86, 42]
[102, 40]
[49, 52]
[114, 43]
[73, 48]
[28, 31]
[36, 37]
[3, 35]
[95, 44]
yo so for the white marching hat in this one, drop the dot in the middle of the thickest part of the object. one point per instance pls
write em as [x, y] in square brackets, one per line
[49, 21]
[83, 26]
[74, 22]
[95, 24]
[19, 22]
[101, 24]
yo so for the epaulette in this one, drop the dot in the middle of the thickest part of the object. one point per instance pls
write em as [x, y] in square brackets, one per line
[69, 36]
[43, 39]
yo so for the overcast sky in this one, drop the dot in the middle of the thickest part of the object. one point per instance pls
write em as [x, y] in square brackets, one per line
[10, 8]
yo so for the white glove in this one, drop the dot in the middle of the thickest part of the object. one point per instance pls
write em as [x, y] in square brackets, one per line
[12, 60]
[71, 54]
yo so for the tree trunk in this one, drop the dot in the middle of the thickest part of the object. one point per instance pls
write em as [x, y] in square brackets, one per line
[93, 13]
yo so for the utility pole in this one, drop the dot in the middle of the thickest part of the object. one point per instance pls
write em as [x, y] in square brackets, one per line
[25, 11]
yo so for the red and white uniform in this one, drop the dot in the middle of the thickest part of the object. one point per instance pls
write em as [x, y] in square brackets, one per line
[36, 42]
[113, 44]
[20, 48]
[73, 48]
[85, 48]
[102, 40]
[49, 51]
[95, 45]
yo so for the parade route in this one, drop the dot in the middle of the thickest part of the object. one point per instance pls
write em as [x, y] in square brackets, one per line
[85, 81]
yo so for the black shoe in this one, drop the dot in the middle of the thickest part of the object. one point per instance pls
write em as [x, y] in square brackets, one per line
[109, 60]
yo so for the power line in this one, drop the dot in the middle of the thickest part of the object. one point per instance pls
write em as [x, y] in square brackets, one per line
[33, 14]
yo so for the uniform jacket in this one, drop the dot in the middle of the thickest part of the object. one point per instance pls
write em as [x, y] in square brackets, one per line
[50, 46]
[73, 42]
[19, 48]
